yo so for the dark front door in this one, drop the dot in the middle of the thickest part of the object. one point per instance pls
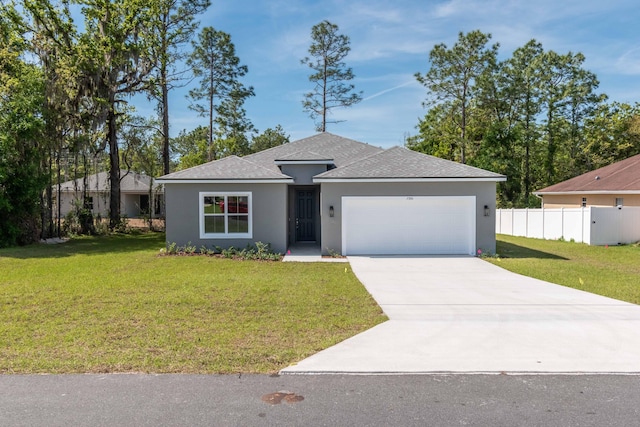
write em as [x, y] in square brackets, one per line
[305, 215]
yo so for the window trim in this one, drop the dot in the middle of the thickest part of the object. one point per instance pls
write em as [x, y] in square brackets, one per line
[226, 235]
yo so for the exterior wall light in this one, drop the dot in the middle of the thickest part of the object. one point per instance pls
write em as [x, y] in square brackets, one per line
[331, 211]
[486, 210]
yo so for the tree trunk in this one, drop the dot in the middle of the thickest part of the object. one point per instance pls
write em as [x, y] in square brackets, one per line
[114, 170]
[324, 98]
[165, 121]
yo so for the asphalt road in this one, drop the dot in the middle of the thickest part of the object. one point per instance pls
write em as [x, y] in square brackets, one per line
[319, 400]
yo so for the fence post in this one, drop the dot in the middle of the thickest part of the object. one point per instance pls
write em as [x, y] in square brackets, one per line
[512, 219]
[582, 228]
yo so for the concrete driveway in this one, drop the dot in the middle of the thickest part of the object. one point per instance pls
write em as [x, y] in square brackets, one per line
[462, 314]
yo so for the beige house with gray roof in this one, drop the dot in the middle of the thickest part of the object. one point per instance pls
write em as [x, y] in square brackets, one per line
[138, 194]
[337, 194]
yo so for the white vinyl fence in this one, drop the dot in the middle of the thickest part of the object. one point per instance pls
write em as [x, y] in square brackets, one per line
[591, 225]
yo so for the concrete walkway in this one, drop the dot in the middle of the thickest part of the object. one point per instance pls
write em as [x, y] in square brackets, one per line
[308, 252]
[462, 314]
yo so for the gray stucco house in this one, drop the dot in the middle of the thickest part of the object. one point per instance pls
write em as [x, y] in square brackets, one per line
[342, 195]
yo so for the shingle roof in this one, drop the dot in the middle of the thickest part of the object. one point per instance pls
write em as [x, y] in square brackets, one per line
[352, 160]
[130, 182]
[304, 156]
[228, 168]
[400, 162]
[342, 150]
[620, 176]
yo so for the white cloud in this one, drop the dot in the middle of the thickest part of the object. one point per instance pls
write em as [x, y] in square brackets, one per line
[629, 62]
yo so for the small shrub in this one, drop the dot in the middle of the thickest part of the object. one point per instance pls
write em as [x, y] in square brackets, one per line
[123, 225]
[189, 249]
[230, 252]
[172, 248]
[333, 253]
[79, 220]
[259, 251]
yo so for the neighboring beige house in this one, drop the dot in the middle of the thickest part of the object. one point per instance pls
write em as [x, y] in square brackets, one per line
[615, 185]
[134, 195]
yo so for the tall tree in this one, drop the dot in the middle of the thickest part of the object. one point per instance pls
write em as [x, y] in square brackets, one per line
[117, 56]
[175, 25]
[233, 127]
[330, 76]
[512, 95]
[567, 97]
[22, 180]
[215, 62]
[54, 42]
[453, 74]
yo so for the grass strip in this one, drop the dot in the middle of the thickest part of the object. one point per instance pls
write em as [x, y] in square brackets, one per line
[612, 271]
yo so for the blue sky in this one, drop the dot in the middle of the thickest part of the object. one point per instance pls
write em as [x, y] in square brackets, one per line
[391, 40]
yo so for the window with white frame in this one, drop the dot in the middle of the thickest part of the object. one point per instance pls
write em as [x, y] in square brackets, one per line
[584, 202]
[225, 215]
[619, 201]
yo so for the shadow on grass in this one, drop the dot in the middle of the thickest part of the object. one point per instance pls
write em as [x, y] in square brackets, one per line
[94, 245]
[510, 250]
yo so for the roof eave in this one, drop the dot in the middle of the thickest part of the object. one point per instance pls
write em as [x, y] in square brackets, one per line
[441, 179]
[578, 192]
[304, 162]
[226, 181]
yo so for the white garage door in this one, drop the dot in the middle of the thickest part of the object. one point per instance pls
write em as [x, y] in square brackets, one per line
[408, 225]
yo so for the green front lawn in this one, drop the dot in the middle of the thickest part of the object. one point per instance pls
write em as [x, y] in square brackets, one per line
[111, 304]
[612, 271]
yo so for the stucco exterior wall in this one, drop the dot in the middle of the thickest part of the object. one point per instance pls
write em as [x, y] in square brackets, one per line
[331, 195]
[68, 199]
[269, 206]
[303, 174]
[551, 201]
[129, 203]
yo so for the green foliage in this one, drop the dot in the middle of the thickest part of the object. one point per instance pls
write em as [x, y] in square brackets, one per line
[328, 50]
[220, 92]
[453, 79]
[534, 117]
[268, 139]
[174, 25]
[258, 251]
[79, 220]
[192, 147]
[22, 180]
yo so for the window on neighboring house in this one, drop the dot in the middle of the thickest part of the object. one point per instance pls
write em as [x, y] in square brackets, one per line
[225, 215]
[619, 201]
[584, 202]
